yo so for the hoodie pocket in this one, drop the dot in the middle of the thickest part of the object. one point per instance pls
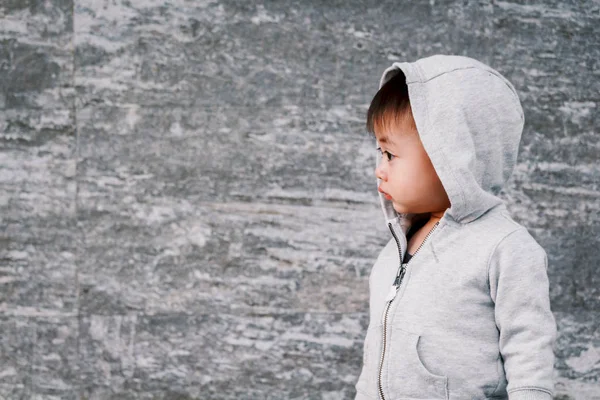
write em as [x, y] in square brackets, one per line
[407, 376]
[367, 381]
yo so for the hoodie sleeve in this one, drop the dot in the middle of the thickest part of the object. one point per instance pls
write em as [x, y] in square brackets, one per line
[519, 287]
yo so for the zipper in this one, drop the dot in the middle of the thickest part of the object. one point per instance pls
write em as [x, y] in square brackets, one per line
[392, 294]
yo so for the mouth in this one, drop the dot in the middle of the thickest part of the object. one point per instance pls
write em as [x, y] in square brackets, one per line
[387, 196]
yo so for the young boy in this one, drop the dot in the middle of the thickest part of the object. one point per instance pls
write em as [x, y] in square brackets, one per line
[466, 314]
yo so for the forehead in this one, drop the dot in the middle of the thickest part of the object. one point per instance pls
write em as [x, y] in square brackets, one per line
[394, 130]
[393, 135]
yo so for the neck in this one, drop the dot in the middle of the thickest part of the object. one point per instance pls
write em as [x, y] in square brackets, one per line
[436, 216]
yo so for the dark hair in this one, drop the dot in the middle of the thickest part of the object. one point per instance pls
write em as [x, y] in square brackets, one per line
[391, 102]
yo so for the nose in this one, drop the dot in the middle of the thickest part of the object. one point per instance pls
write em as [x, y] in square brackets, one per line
[380, 172]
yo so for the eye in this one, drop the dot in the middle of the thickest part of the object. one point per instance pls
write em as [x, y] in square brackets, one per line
[389, 155]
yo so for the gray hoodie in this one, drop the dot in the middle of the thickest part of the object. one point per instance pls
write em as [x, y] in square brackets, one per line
[471, 317]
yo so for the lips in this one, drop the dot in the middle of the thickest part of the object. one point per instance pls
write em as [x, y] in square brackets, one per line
[387, 196]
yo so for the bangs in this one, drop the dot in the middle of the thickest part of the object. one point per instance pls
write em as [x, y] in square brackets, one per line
[390, 107]
[390, 120]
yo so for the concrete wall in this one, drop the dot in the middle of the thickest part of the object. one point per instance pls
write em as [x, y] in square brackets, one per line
[187, 202]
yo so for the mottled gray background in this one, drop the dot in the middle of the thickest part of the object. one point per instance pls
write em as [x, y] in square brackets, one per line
[187, 202]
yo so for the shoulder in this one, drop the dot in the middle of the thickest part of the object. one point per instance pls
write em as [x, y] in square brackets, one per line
[515, 235]
[516, 250]
[498, 226]
[497, 234]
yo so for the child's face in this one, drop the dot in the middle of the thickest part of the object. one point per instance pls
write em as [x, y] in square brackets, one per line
[407, 175]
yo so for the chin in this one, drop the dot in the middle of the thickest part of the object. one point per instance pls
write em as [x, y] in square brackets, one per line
[399, 208]
[403, 210]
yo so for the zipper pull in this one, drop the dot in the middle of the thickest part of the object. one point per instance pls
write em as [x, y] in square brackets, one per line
[397, 282]
[392, 293]
[401, 272]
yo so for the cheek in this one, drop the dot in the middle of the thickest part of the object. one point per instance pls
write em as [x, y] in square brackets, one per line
[409, 170]
[404, 175]
[415, 175]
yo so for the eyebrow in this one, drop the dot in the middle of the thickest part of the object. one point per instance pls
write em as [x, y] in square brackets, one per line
[384, 139]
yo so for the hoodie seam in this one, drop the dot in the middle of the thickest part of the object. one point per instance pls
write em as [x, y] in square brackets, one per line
[493, 252]
[447, 72]
[541, 389]
[489, 70]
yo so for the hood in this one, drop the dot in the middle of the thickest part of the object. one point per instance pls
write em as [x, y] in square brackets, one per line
[470, 122]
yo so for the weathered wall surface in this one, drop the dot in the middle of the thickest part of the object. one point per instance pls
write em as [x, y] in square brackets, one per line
[187, 200]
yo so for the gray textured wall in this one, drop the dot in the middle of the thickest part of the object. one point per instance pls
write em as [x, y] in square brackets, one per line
[187, 202]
